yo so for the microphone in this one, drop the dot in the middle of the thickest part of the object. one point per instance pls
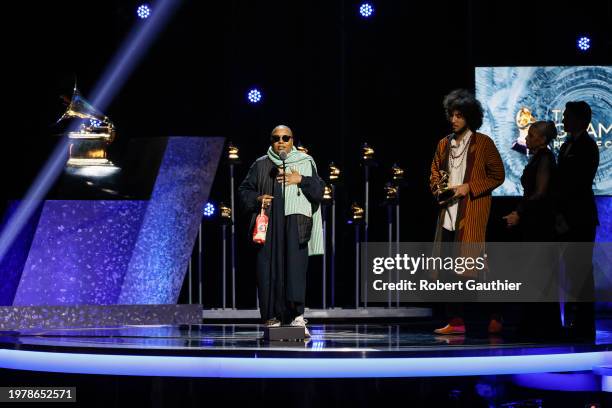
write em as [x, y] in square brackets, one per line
[283, 156]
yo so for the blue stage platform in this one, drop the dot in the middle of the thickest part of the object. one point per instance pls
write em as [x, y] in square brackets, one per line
[334, 351]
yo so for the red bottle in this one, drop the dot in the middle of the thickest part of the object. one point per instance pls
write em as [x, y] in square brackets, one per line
[261, 227]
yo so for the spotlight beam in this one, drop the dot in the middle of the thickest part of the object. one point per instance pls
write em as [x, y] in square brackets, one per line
[118, 71]
[130, 53]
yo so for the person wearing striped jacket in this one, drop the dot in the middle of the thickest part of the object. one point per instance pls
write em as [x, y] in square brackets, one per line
[475, 169]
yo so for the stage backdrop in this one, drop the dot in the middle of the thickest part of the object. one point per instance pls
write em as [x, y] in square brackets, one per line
[122, 251]
[514, 97]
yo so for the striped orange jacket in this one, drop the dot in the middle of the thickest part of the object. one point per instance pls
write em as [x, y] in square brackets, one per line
[484, 173]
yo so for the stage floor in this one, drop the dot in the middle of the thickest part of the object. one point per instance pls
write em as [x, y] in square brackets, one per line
[334, 350]
[246, 340]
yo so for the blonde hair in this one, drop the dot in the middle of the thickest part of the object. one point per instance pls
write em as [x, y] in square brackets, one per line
[546, 128]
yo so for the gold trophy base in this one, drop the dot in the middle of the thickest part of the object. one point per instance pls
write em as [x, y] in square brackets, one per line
[75, 162]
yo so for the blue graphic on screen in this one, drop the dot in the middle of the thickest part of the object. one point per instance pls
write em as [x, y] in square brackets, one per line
[515, 97]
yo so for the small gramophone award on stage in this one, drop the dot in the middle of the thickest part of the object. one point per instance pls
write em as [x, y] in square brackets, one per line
[90, 133]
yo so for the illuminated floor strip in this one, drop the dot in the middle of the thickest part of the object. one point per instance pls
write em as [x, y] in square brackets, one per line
[228, 367]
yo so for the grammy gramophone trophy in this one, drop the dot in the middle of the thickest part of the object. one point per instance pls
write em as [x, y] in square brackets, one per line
[94, 133]
[443, 192]
[524, 119]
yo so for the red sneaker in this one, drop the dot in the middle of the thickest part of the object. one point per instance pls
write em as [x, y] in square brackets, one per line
[495, 327]
[448, 329]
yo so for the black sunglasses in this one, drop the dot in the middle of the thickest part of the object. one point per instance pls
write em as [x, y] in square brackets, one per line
[276, 139]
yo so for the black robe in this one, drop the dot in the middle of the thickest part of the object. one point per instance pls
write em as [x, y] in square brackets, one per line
[536, 211]
[541, 320]
[282, 290]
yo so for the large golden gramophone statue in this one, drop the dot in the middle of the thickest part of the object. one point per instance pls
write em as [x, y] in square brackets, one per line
[95, 131]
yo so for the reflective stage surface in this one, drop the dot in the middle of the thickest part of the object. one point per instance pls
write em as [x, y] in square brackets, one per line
[329, 340]
[333, 351]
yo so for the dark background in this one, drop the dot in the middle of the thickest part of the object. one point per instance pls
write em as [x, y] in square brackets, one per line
[337, 79]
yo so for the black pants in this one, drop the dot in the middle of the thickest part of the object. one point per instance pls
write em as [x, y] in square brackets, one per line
[542, 320]
[580, 285]
[453, 309]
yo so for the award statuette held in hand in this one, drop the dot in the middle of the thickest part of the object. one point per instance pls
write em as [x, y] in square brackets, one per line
[443, 192]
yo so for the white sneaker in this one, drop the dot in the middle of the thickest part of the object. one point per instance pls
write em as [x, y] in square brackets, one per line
[301, 322]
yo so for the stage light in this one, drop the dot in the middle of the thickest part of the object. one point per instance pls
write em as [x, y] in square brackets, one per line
[94, 123]
[572, 382]
[254, 95]
[584, 43]
[366, 10]
[143, 11]
[209, 210]
[297, 367]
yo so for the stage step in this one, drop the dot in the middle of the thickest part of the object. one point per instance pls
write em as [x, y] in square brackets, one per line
[55, 316]
[335, 313]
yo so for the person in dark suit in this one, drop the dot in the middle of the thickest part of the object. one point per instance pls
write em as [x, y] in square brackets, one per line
[578, 220]
[534, 219]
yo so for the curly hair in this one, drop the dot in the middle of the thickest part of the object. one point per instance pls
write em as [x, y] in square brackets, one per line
[464, 101]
